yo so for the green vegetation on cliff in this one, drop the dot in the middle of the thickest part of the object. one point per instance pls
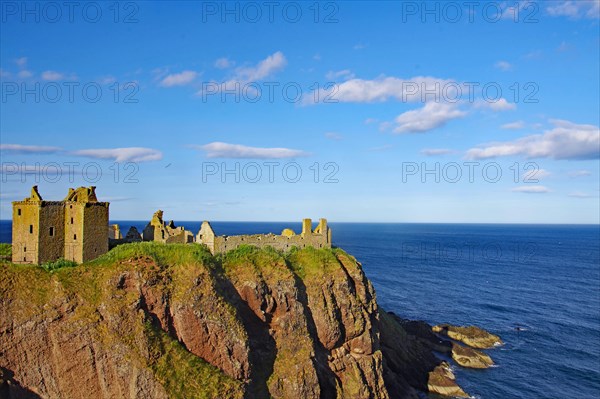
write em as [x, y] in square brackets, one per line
[158, 321]
[5, 252]
[94, 290]
[130, 298]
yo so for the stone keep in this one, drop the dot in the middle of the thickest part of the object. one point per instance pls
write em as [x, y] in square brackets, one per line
[74, 229]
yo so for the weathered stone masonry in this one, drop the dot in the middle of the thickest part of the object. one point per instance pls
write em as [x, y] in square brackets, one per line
[319, 238]
[77, 229]
[73, 229]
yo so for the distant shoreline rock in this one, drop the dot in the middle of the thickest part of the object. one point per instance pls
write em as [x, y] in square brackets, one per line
[472, 336]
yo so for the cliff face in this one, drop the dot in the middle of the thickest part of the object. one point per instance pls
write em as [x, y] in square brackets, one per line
[171, 321]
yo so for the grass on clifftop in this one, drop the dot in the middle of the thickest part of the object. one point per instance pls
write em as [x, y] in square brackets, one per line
[32, 292]
[164, 254]
[5, 252]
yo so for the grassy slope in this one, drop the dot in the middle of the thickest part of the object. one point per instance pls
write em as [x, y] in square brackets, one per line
[181, 373]
[31, 288]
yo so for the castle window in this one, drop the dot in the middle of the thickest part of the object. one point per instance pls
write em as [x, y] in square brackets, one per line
[71, 220]
[19, 211]
[74, 236]
[71, 206]
[24, 259]
[24, 249]
[30, 229]
[51, 231]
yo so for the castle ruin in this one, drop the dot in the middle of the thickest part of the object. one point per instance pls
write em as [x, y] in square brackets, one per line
[158, 230]
[74, 228]
[320, 237]
[77, 229]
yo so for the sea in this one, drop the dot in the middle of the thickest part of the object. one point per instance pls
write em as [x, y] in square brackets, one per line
[537, 286]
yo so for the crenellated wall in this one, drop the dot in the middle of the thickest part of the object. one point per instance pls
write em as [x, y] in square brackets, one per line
[319, 238]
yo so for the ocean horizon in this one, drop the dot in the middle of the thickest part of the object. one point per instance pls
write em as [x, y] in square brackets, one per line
[537, 286]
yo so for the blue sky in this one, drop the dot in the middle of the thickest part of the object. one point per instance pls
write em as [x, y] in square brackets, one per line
[354, 111]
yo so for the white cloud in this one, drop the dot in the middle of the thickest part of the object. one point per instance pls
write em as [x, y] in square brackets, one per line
[317, 57]
[344, 74]
[52, 75]
[179, 79]
[514, 125]
[21, 62]
[534, 55]
[580, 173]
[127, 154]
[106, 80]
[499, 105]
[579, 194]
[359, 46]
[534, 175]
[223, 63]
[531, 189]
[418, 88]
[369, 121]
[566, 140]
[384, 147]
[517, 11]
[227, 150]
[432, 152]
[333, 136]
[244, 75]
[25, 74]
[431, 116]
[29, 149]
[264, 68]
[503, 65]
[574, 9]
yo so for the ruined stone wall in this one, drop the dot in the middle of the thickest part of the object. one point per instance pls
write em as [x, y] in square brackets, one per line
[25, 232]
[319, 238]
[158, 233]
[73, 245]
[95, 223]
[51, 232]
[223, 244]
[182, 237]
[114, 232]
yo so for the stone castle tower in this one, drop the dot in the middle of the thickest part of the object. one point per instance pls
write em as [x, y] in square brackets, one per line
[74, 229]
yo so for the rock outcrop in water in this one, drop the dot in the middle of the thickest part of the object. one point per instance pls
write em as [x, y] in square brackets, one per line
[473, 336]
[154, 321]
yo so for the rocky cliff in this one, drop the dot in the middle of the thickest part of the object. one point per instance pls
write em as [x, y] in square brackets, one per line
[151, 320]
